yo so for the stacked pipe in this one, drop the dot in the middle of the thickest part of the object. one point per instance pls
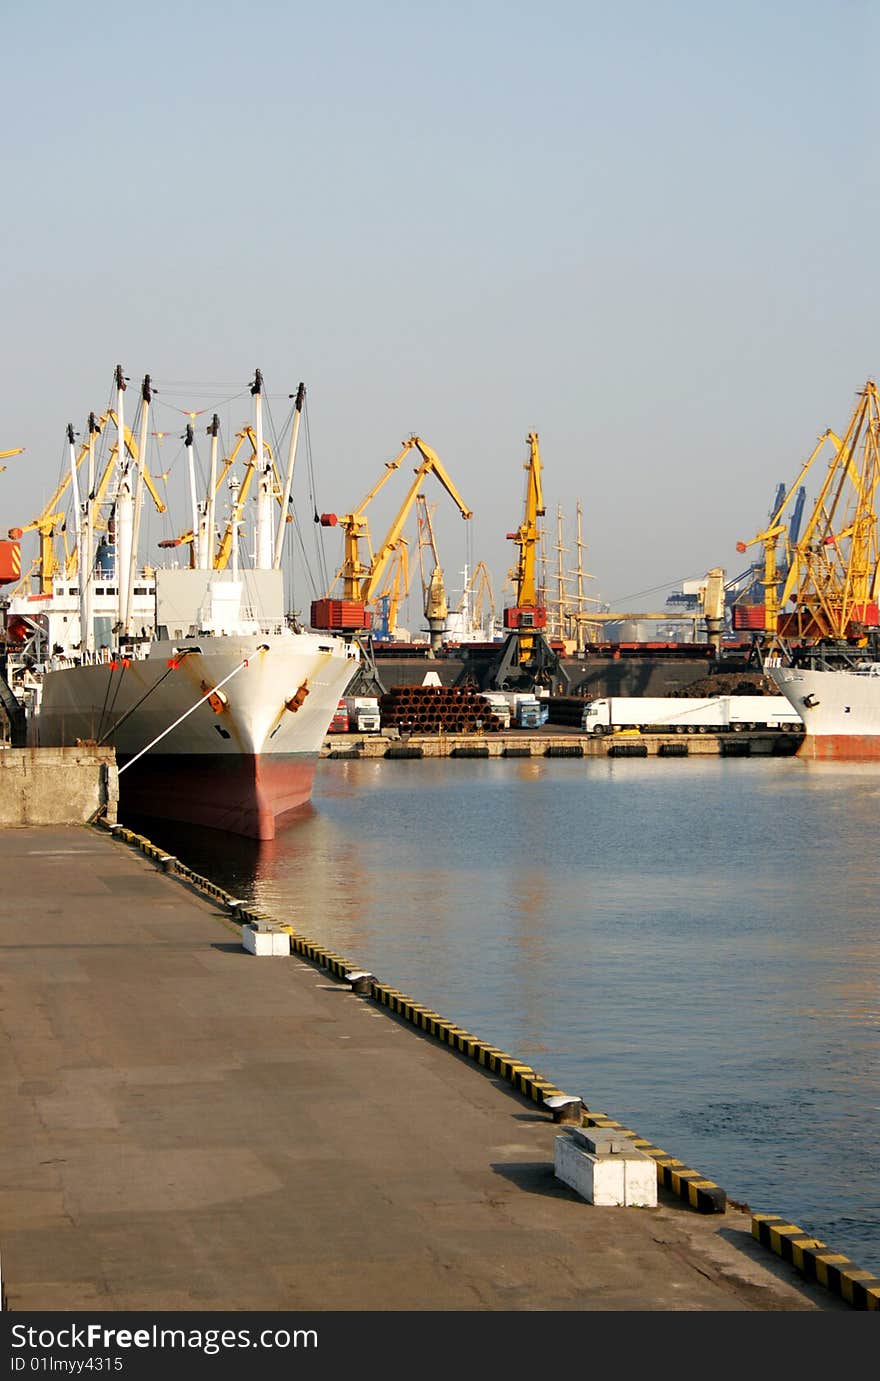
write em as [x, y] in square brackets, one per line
[437, 709]
[565, 709]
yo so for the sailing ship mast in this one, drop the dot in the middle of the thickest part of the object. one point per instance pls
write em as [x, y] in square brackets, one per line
[561, 579]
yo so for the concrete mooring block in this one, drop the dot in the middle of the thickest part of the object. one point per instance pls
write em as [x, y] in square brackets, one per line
[265, 939]
[613, 1177]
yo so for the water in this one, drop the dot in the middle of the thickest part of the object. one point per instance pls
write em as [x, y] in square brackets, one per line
[692, 947]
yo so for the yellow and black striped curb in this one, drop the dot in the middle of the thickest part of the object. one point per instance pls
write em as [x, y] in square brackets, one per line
[702, 1194]
[520, 1075]
[817, 1261]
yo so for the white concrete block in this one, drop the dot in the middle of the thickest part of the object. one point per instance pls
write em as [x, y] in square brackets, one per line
[265, 940]
[256, 941]
[606, 1179]
[598, 1179]
[639, 1181]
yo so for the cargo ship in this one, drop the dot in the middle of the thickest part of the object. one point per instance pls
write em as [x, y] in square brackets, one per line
[840, 707]
[214, 700]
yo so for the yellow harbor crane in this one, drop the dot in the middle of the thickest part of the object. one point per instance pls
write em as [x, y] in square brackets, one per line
[395, 588]
[359, 581]
[527, 659]
[833, 577]
[528, 612]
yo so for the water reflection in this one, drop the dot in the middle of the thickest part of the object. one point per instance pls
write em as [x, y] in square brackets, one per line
[690, 945]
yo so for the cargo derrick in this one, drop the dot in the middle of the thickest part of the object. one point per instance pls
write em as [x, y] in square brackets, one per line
[832, 577]
[360, 582]
[51, 522]
[260, 466]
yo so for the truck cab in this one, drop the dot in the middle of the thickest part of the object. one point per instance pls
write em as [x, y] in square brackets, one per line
[339, 722]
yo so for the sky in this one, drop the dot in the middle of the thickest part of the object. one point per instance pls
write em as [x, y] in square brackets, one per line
[645, 232]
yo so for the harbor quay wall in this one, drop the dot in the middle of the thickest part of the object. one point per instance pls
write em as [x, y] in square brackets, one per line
[558, 741]
[57, 786]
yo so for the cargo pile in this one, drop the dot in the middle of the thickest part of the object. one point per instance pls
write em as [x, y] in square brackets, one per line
[437, 709]
[566, 709]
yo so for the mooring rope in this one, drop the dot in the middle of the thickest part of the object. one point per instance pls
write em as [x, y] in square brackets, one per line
[263, 647]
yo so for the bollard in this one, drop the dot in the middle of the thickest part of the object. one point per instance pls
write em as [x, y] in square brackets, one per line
[361, 982]
[565, 1108]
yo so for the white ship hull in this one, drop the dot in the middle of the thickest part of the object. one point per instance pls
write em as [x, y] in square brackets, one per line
[840, 709]
[240, 761]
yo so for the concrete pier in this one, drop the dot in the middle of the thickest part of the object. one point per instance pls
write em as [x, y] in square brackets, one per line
[558, 740]
[57, 786]
[190, 1127]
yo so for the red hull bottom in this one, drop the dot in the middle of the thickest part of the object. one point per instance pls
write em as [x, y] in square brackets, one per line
[830, 747]
[242, 795]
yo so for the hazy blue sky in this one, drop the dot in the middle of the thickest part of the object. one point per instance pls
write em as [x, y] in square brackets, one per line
[647, 232]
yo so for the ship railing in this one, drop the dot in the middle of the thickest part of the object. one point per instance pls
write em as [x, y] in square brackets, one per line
[251, 615]
[101, 656]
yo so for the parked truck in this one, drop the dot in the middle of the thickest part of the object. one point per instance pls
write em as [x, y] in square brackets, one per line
[689, 714]
[525, 709]
[499, 705]
[363, 713]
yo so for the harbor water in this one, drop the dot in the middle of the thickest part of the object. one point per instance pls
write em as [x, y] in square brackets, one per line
[690, 946]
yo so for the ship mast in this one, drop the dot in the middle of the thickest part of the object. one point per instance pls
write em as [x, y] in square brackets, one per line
[579, 573]
[234, 487]
[263, 553]
[207, 551]
[81, 523]
[131, 570]
[123, 505]
[193, 500]
[288, 477]
[560, 576]
[85, 547]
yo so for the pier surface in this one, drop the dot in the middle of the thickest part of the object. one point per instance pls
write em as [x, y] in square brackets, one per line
[187, 1127]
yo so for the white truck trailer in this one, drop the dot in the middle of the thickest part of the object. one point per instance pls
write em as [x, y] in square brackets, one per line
[689, 714]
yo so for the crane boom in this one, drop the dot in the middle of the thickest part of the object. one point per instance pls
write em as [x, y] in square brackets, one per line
[832, 574]
[360, 582]
[431, 464]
